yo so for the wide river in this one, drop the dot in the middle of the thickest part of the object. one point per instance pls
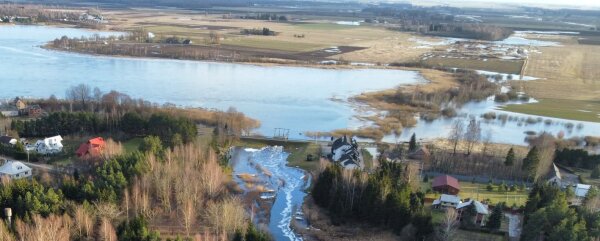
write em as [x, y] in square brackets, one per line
[295, 98]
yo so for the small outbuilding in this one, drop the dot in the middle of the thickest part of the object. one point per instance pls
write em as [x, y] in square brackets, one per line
[481, 209]
[446, 184]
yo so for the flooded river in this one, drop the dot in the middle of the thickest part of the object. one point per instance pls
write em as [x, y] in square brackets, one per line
[294, 98]
[282, 186]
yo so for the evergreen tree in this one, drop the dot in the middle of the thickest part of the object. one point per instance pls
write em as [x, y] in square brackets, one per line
[510, 157]
[531, 162]
[412, 145]
[596, 172]
[468, 216]
[495, 219]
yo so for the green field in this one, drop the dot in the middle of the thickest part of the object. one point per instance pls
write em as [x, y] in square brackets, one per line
[567, 109]
[478, 191]
[132, 145]
[494, 65]
[264, 43]
[463, 235]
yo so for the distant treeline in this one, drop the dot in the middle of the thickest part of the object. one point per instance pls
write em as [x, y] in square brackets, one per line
[471, 31]
[266, 16]
[257, 31]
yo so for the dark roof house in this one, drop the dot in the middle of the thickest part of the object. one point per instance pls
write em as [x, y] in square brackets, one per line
[446, 184]
[345, 151]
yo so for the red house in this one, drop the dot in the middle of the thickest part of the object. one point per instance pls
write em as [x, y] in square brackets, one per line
[92, 148]
[446, 184]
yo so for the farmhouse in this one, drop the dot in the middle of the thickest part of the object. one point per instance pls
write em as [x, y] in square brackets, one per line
[482, 211]
[446, 184]
[420, 154]
[346, 152]
[92, 148]
[446, 201]
[15, 170]
[34, 111]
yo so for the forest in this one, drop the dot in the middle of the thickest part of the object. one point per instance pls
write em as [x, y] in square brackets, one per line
[382, 198]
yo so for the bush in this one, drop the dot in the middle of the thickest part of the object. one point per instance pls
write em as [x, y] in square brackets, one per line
[490, 187]
[501, 98]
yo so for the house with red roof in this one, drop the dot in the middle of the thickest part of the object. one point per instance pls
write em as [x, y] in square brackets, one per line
[92, 148]
[446, 184]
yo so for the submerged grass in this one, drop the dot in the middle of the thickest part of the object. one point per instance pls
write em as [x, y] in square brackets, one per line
[581, 110]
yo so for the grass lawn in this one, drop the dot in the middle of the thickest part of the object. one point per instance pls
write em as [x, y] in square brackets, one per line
[367, 158]
[264, 43]
[567, 109]
[132, 145]
[585, 176]
[494, 65]
[463, 235]
[478, 191]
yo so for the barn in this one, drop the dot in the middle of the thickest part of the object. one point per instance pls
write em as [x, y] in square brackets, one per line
[446, 184]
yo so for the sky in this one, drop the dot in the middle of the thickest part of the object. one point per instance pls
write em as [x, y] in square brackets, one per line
[575, 3]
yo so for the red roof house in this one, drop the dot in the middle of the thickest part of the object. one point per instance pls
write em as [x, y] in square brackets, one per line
[92, 148]
[446, 184]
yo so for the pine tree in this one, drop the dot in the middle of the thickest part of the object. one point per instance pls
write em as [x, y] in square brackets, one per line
[495, 219]
[596, 172]
[412, 145]
[510, 157]
[531, 161]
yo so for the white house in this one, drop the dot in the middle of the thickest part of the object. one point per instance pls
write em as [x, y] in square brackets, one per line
[447, 201]
[9, 113]
[50, 145]
[345, 151]
[8, 141]
[15, 170]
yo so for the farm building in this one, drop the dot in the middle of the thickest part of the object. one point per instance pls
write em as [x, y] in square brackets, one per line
[446, 201]
[15, 170]
[92, 148]
[446, 184]
[420, 154]
[482, 211]
[7, 141]
[345, 151]
[50, 145]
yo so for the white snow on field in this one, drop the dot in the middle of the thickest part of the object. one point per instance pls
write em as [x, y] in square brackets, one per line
[351, 23]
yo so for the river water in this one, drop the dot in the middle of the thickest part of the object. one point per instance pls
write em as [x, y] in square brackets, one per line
[295, 98]
[269, 167]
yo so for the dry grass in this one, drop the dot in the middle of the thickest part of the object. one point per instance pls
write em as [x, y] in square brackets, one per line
[568, 72]
[382, 45]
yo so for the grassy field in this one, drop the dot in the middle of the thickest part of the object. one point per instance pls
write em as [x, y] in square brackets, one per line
[381, 45]
[494, 65]
[568, 80]
[463, 235]
[582, 110]
[270, 43]
[479, 192]
[585, 176]
[132, 145]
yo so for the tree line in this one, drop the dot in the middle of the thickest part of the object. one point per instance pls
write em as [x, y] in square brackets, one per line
[383, 198]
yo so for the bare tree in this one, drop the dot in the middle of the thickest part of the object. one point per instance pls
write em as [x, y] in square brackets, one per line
[456, 134]
[81, 93]
[449, 225]
[106, 231]
[472, 135]
[83, 223]
[5, 235]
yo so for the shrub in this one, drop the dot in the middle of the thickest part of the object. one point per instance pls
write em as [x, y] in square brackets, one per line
[501, 98]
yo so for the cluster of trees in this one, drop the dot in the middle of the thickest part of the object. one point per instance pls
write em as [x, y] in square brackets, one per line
[577, 158]
[172, 129]
[383, 198]
[27, 198]
[37, 13]
[471, 31]
[267, 16]
[549, 217]
[257, 31]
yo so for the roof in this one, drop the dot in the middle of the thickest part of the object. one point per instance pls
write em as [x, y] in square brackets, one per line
[6, 139]
[82, 150]
[445, 180]
[13, 167]
[581, 190]
[96, 141]
[556, 171]
[480, 207]
[450, 198]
